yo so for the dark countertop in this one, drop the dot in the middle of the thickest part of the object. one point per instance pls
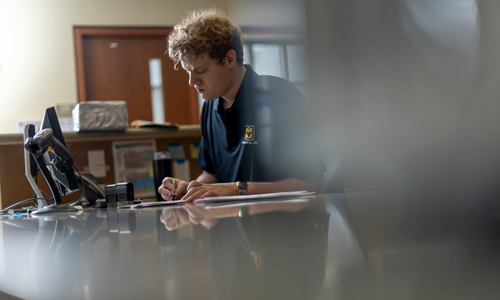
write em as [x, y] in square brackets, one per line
[130, 133]
[393, 243]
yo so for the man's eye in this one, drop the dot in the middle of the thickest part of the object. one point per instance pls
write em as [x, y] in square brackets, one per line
[202, 71]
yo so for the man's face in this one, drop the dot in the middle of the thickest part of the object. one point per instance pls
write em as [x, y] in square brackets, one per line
[208, 78]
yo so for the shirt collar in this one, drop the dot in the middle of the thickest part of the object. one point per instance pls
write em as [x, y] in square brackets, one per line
[244, 94]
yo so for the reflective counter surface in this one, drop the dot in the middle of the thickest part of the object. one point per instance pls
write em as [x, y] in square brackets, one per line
[372, 244]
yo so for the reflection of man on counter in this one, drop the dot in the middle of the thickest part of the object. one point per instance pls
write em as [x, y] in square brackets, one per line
[255, 131]
[277, 251]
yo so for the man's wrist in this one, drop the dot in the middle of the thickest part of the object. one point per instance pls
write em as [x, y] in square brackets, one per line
[234, 188]
[242, 187]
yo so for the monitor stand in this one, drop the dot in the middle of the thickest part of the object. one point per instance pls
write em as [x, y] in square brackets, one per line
[30, 166]
[59, 206]
[50, 209]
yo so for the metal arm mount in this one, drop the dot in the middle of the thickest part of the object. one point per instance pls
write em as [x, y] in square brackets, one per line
[37, 146]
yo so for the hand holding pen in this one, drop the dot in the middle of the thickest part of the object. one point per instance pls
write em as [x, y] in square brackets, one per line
[172, 198]
[173, 188]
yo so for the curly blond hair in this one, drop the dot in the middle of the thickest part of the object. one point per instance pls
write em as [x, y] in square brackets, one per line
[205, 31]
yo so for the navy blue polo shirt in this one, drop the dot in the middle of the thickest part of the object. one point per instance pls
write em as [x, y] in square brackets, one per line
[264, 136]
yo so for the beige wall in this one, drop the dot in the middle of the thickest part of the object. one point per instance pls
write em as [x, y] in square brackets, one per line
[268, 13]
[37, 56]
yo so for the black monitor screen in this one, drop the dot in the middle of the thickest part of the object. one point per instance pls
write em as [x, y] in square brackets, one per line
[66, 182]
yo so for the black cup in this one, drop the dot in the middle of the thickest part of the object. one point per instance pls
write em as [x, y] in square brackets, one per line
[162, 167]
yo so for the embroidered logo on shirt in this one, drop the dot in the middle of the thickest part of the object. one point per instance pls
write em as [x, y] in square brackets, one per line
[249, 135]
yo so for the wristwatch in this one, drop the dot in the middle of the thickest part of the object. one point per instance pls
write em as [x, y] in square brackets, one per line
[242, 187]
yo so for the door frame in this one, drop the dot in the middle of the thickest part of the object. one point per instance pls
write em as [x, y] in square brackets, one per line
[80, 32]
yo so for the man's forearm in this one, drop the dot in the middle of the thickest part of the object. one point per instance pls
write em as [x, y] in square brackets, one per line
[206, 177]
[312, 183]
[287, 185]
[206, 186]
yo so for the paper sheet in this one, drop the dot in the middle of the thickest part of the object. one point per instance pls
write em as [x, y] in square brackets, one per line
[300, 197]
[176, 151]
[181, 169]
[194, 149]
[240, 203]
[97, 165]
[255, 197]
[152, 204]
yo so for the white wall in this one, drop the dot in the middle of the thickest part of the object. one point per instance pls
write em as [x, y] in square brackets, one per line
[268, 13]
[37, 56]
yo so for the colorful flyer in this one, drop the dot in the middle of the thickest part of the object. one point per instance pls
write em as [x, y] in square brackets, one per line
[133, 162]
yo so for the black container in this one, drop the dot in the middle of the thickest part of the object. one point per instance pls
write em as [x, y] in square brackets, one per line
[162, 167]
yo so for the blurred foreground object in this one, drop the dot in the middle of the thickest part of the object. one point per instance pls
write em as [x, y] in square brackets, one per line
[407, 92]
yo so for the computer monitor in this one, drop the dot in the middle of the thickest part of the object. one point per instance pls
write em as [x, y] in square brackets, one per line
[66, 182]
[48, 149]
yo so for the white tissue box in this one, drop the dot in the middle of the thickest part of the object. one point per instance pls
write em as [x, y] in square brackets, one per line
[100, 116]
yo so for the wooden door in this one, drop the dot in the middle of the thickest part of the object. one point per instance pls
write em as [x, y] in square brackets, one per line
[113, 64]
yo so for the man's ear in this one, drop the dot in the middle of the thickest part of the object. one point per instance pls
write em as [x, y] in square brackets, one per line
[231, 59]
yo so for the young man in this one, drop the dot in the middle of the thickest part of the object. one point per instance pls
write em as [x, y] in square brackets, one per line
[255, 136]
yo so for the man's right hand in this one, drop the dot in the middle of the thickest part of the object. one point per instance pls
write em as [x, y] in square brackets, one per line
[167, 188]
[174, 218]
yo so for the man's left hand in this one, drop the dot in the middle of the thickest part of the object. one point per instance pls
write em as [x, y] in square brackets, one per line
[198, 190]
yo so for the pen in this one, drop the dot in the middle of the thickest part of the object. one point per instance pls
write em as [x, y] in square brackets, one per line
[172, 198]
